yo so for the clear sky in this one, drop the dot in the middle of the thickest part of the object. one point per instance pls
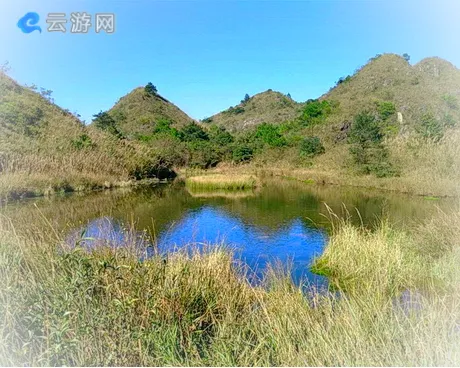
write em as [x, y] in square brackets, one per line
[204, 56]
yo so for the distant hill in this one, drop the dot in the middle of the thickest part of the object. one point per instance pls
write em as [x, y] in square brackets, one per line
[266, 107]
[389, 119]
[430, 86]
[139, 111]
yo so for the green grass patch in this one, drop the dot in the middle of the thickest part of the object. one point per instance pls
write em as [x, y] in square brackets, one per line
[221, 182]
[431, 198]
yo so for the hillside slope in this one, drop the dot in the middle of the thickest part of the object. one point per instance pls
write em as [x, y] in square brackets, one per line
[138, 112]
[266, 107]
[430, 86]
[44, 148]
[390, 125]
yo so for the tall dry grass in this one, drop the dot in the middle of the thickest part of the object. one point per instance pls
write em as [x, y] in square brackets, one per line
[397, 303]
[221, 182]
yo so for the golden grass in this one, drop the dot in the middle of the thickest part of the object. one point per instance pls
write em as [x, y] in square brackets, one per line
[428, 168]
[221, 182]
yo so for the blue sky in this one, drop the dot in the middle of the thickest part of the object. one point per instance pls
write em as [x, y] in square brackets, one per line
[204, 56]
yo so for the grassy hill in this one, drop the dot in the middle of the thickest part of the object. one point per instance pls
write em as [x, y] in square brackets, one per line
[266, 107]
[389, 120]
[138, 112]
[390, 125]
[430, 86]
[44, 148]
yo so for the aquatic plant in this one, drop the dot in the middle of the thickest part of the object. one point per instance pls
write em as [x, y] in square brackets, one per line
[219, 181]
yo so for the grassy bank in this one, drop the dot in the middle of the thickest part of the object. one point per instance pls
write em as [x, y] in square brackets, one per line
[14, 187]
[427, 186]
[64, 306]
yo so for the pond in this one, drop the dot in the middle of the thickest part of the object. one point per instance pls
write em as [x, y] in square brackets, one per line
[283, 222]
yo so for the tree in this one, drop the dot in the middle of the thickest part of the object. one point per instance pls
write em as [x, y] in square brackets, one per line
[246, 99]
[368, 151]
[46, 93]
[269, 134]
[242, 153]
[406, 57]
[151, 89]
[289, 95]
[315, 111]
[192, 132]
[220, 136]
[104, 121]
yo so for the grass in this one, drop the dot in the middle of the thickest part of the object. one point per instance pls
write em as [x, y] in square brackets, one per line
[221, 182]
[62, 305]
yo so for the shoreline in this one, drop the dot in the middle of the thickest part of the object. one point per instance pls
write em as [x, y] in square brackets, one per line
[43, 187]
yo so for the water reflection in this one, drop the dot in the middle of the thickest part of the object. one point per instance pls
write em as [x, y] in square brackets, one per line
[282, 220]
[258, 246]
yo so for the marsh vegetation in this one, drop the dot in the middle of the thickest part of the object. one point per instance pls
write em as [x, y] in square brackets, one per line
[394, 299]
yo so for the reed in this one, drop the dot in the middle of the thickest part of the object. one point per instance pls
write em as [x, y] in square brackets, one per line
[61, 304]
[221, 182]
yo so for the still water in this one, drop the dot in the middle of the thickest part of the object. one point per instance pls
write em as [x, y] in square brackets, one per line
[283, 222]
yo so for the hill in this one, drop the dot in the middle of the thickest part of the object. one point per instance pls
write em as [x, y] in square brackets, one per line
[138, 112]
[430, 86]
[44, 148]
[266, 107]
[389, 125]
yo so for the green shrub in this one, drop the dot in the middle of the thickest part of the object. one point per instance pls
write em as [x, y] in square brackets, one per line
[449, 121]
[238, 110]
[315, 112]
[311, 146]
[192, 132]
[164, 126]
[430, 127]
[367, 150]
[202, 154]
[234, 110]
[219, 135]
[386, 109]
[242, 153]
[451, 101]
[270, 134]
[83, 141]
[365, 130]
